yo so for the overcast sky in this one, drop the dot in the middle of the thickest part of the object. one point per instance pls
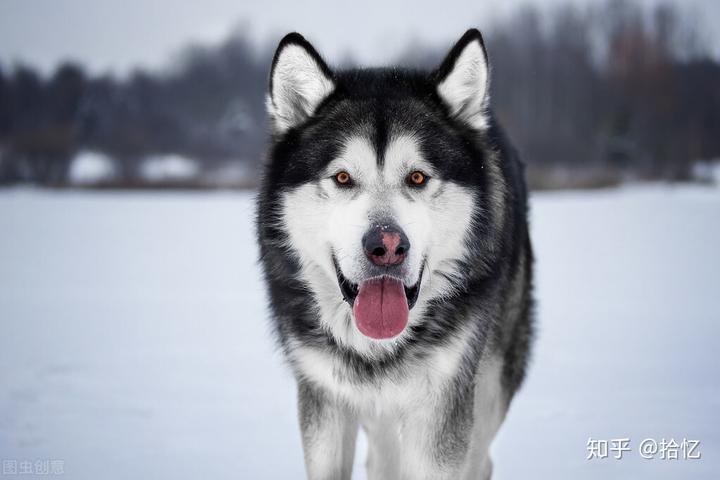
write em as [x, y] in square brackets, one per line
[119, 35]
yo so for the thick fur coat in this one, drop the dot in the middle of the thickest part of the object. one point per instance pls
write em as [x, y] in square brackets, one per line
[385, 186]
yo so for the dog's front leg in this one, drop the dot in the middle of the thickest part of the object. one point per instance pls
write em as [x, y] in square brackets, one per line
[329, 429]
[435, 438]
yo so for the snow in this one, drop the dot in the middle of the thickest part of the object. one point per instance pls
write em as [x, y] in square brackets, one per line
[90, 167]
[168, 167]
[134, 340]
[230, 173]
[707, 171]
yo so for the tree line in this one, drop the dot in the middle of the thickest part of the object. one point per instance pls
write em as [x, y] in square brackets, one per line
[616, 90]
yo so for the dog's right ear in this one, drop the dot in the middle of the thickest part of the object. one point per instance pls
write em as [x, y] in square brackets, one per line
[299, 82]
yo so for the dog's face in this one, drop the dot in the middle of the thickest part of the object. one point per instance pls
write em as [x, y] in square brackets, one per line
[378, 174]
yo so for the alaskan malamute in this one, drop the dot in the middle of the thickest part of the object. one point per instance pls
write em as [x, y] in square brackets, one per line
[392, 223]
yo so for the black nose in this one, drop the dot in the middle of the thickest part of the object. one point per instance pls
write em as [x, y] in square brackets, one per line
[386, 244]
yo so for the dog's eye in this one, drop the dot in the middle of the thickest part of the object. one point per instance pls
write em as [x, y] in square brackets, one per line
[343, 178]
[417, 179]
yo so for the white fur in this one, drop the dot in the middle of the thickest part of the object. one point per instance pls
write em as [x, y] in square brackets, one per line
[329, 445]
[421, 378]
[465, 88]
[395, 412]
[489, 410]
[299, 85]
[322, 219]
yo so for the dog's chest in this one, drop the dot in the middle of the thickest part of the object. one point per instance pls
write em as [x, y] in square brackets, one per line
[414, 382]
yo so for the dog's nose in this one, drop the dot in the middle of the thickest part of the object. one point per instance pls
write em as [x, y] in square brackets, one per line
[386, 245]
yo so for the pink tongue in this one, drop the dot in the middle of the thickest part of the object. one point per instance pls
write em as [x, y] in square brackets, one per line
[381, 308]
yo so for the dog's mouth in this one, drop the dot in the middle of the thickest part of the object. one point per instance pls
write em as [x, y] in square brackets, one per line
[381, 305]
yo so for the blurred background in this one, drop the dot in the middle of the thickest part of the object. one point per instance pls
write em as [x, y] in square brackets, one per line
[145, 95]
[134, 340]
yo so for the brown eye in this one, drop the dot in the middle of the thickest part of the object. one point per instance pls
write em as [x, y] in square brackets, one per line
[417, 178]
[343, 178]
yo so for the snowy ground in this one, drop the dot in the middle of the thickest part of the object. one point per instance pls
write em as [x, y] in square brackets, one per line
[133, 339]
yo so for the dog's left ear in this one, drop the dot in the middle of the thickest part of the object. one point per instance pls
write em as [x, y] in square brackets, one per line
[299, 82]
[462, 80]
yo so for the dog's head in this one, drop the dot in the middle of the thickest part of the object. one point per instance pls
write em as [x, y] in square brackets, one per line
[376, 172]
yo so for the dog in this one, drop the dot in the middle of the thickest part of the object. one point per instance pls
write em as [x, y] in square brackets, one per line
[393, 235]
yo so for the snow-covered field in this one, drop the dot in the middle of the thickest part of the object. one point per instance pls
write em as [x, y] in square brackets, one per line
[134, 340]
